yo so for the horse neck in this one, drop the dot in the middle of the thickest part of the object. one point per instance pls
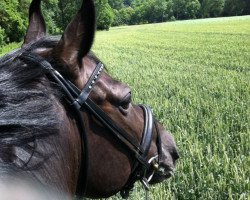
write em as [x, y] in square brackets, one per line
[53, 165]
[62, 169]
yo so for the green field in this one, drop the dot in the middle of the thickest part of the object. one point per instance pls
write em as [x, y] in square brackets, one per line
[196, 76]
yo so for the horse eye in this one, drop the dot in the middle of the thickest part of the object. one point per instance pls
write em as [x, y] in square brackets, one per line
[125, 102]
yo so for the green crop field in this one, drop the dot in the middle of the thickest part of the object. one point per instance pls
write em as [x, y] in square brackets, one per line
[196, 76]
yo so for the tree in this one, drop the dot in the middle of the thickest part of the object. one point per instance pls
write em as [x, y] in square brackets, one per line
[58, 13]
[193, 8]
[104, 14]
[151, 11]
[65, 10]
[186, 9]
[236, 7]
[211, 8]
[2, 37]
[123, 16]
[138, 3]
[12, 19]
[50, 8]
[127, 2]
[205, 8]
[160, 10]
[116, 4]
[246, 10]
[216, 8]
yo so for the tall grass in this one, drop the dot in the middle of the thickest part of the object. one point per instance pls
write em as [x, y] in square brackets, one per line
[195, 74]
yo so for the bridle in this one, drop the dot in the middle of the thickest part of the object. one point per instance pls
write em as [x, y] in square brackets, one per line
[79, 100]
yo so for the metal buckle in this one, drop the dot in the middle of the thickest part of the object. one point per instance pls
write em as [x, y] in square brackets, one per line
[145, 180]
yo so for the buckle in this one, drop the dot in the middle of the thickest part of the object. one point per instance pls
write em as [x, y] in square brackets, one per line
[145, 180]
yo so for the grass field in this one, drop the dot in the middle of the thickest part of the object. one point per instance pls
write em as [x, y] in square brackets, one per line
[196, 76]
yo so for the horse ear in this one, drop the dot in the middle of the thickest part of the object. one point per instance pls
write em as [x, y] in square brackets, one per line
[37, 27]
[78, 37]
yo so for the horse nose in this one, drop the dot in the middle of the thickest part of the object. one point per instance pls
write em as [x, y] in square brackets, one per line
[170, 153]
[175, 155]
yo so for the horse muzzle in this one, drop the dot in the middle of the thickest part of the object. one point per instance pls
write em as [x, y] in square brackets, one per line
[162, 173]
[165, 165]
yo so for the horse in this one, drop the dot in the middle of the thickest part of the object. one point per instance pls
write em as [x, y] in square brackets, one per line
[67, 128]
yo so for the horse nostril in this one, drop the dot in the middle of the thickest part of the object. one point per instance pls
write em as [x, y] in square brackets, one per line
[175, 155]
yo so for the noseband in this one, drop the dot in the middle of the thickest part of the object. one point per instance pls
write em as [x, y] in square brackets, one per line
[143, 168]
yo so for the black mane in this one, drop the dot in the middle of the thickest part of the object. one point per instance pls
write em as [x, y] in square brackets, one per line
[27, 100]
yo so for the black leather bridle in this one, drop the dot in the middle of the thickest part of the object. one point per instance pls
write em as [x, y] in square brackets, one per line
[79, 100]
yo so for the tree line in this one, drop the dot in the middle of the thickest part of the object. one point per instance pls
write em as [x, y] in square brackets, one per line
[13, 13]
[130, 12]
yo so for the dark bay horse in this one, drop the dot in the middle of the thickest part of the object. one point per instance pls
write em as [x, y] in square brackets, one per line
[66, 127]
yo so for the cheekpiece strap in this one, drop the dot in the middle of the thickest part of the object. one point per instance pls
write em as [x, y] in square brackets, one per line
[140, 170]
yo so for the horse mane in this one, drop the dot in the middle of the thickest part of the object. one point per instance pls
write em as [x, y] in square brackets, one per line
[27, 100]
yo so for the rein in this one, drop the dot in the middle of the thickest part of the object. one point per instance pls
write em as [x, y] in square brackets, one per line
[79, 100]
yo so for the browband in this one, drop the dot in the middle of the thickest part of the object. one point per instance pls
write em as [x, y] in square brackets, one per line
[83, 96]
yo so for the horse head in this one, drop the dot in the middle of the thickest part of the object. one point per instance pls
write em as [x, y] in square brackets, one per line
[105, 143]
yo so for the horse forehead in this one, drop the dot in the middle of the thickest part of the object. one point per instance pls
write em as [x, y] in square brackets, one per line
[107, 83]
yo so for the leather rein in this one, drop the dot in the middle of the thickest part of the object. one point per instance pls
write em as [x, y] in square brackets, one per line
[79, 100]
